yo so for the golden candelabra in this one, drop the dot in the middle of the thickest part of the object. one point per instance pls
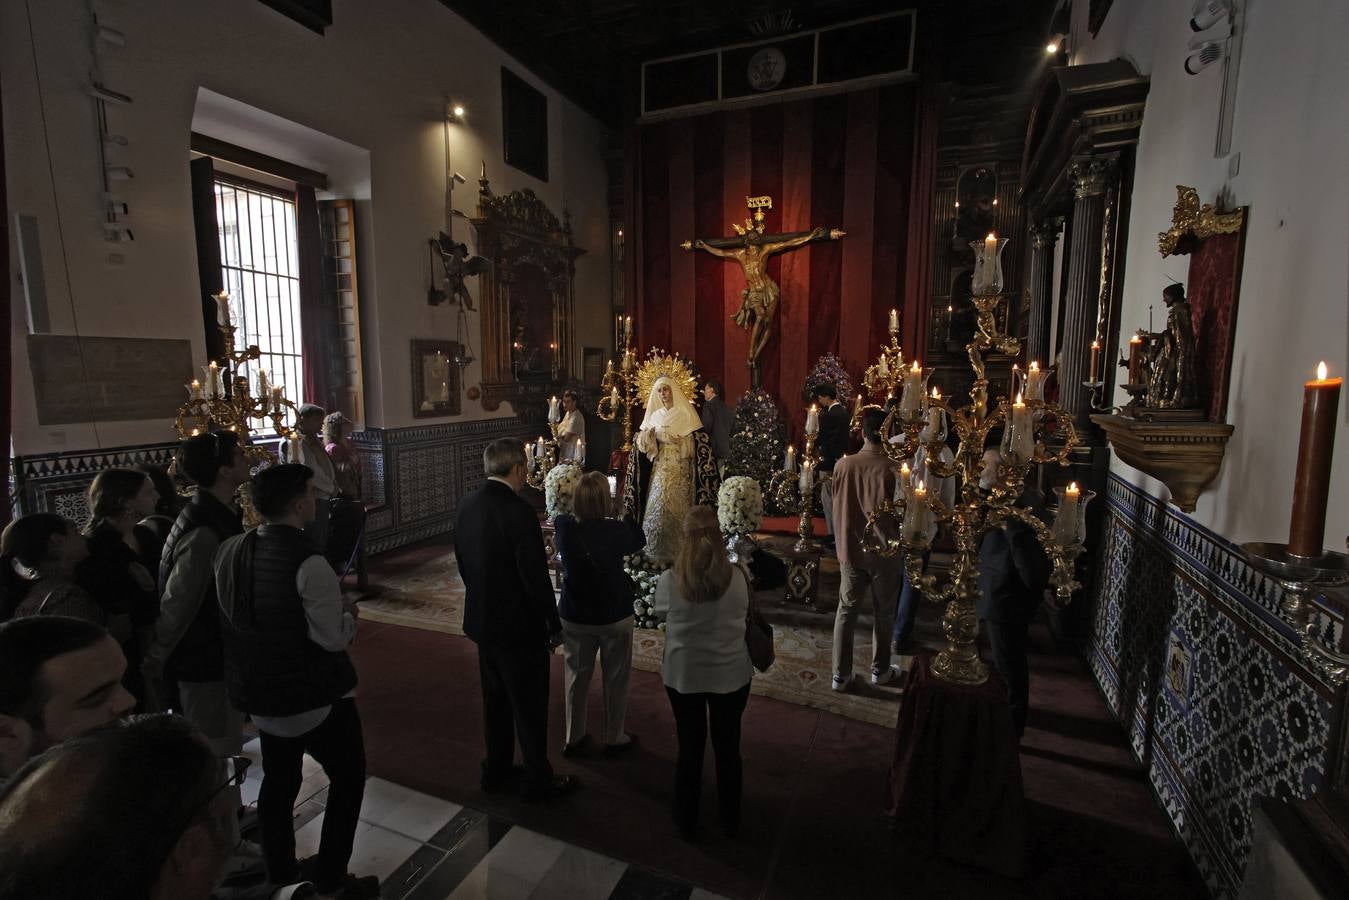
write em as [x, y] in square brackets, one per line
[618, 389]
[881, 379]
[976, 510]
[542, 455]
[211, 406]
[794, 491]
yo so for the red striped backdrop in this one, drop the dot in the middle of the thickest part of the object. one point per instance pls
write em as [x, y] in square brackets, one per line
[843, 161]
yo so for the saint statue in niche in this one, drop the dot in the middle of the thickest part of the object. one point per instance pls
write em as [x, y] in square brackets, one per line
[1171, 383]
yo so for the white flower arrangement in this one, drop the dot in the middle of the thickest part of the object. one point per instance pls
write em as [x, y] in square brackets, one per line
[558, 488]
[739, 505]
[644, 573]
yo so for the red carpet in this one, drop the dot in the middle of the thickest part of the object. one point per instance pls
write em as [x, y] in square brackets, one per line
[814, 782]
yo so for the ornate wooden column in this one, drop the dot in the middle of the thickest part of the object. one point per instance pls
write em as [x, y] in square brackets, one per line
[1091, 178]
[1040, 285]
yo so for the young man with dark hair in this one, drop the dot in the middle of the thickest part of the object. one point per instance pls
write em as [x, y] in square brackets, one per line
[59, 677]
[308, 450]
[511, 614]
[862, 482]
[286, 631]
[138, 810]
[832, 444]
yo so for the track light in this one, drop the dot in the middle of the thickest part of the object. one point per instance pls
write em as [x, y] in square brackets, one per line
[1209, 53]
[119, 173]
[107, 95]
[1208, 13]
[456, 111]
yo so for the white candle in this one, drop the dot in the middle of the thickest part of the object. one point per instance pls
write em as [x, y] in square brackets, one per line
[1016, 378]
[1035, 382]
[813, 420]
[789, 463]
[212, 380]
[1065, 522]
[627, 330]
[807, 476]
[195, 388]
[581, 452]
[553, 415]
[894, 320]
[627, 361]
[529, 452]
[222, 308]
[884, 367]
[905, 475]
[1023, 431]
[614, 399]
[915, 512]
[263, 385]
[912, 396]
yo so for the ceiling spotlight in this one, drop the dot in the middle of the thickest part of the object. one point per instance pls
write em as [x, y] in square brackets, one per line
[1052, 47]
[457, 110]
[1203, 57]
[1208, 13]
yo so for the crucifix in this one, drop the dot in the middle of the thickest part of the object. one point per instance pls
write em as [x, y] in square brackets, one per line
[752, 248]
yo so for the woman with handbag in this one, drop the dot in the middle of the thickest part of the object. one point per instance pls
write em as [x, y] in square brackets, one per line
[596, 610]
[704, 601]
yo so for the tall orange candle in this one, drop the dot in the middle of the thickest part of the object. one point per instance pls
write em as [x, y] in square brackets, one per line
[1311, 484]
[1135, 360]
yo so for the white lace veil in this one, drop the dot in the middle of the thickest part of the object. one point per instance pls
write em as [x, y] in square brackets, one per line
[680, 419]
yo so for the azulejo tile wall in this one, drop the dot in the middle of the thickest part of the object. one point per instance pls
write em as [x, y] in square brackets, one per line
[415, 476]
[1191, 655]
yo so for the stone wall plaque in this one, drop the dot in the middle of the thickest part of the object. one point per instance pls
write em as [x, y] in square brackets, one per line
[127, 378]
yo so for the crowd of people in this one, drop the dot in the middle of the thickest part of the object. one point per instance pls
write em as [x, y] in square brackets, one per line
[167, 607]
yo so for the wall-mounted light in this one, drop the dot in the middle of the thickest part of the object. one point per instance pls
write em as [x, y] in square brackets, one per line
[110, 36]
[108, 95]
[1052, 47]
[1207, 54]
[119, 173]
[1208, 13]
[456, 111]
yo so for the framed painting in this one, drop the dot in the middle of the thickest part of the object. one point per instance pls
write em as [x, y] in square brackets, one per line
[435, 379]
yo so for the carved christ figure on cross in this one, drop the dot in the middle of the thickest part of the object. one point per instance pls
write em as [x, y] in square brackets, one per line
[752, 248]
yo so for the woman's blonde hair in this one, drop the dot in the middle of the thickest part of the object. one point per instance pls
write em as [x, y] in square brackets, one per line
[590, 498]
[702, 570]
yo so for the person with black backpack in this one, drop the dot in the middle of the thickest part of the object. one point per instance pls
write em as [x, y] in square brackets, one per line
[596, 610]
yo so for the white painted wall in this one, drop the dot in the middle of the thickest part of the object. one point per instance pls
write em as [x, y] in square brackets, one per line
[1292, 131]
[375, 81]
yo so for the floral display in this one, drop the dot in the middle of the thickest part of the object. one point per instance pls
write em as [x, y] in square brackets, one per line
[644, 573]
[558, 488]
[829, 370]
[739, 505]
[757, 438]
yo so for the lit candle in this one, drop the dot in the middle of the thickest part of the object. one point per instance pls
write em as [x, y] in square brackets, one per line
[884, 367]
[194, 389]
[212, 380]
[813, 420]
[905, 475]
[529, 452]
[1022, 441]
[894, 321]
[627, 360]
[581, 452]
[1311, 484]
[807, 476]
[1035, 382]
[1136, 359]
[278, 392]
[1095, 361]
[1065, 521]
[1016, 377]
[553, 414]
[222, 308]
[538, 449]
[262, 383]
[789, 462]
[196, 432]
[627, 327]
[912, 396]
[614, 399]
[915, 512]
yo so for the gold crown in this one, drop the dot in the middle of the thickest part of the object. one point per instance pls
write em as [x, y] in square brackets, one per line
[659, 364]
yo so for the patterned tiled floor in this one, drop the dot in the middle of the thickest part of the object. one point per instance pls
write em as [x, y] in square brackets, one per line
[424, 848]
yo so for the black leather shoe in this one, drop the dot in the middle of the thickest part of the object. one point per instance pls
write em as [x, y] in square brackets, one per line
[558, 786]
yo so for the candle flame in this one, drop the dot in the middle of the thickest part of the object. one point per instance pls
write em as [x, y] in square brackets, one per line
[1018, 399]
[1072, 488]
[1322, 371]
[936, 394]
[991, 237]
[922, 487]
[1096, 345]
[904, 468]
[915, 366]
[1135, 340]
[1034, 366]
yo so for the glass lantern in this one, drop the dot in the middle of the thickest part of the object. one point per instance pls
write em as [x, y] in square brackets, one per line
[1070, 523]
[987, 277]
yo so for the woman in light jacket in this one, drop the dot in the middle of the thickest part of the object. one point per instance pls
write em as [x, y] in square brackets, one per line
[596, 610]
[703, 600]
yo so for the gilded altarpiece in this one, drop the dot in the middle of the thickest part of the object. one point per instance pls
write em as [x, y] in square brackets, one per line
[528, 298]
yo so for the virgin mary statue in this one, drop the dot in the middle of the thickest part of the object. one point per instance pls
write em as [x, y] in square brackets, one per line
[671, 468]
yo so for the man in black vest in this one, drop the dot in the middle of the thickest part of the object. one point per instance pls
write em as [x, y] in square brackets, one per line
[833, 446]
[511, 614]
[286, 631]
[188, 648]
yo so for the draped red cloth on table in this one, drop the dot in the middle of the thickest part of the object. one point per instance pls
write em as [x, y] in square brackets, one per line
[842, 161]
[955, 787]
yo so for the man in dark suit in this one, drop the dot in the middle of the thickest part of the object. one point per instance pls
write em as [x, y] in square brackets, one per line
[832, 444]
[1013, 572]
[717, 421]
[510, 613]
